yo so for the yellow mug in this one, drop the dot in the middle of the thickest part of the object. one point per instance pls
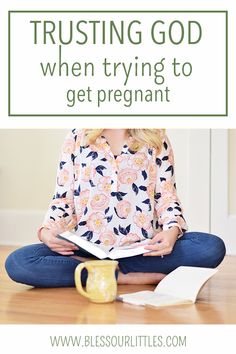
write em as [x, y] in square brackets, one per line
[101, 285]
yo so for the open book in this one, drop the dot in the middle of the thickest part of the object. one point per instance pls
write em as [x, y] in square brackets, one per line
[101, 251]
[179, 287]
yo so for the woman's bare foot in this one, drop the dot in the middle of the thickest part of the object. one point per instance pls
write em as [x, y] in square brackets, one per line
[140, 278]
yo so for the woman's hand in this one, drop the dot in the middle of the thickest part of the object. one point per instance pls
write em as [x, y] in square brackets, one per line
[56, 244]
[163, 242]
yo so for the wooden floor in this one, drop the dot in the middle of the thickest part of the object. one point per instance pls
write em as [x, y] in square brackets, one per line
[23, 304]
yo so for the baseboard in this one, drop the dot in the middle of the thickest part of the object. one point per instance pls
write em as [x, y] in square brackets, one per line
[19, 227]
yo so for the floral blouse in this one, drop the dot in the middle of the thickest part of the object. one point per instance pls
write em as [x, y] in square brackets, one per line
[114, 201]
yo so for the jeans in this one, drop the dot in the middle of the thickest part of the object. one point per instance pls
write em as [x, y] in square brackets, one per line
[38, 266]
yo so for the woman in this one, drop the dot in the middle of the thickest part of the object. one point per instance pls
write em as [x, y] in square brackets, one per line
[115, 187]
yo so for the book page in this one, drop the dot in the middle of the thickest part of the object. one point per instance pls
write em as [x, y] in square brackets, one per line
[150, 298]
[129, 250]
[184, 282]
[96, 250]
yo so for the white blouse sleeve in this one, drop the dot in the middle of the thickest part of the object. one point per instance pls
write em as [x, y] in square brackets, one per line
[61, 212]
[167, 204]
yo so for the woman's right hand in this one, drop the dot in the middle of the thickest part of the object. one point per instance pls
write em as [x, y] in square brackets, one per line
[56, 244]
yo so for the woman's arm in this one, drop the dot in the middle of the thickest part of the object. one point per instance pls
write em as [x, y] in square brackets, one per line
[61, 212]
[167, 204]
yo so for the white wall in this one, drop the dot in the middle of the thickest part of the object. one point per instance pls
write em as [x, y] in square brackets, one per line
[232, 171]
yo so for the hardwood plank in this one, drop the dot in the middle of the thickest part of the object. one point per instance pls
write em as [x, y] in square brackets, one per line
[23, 304]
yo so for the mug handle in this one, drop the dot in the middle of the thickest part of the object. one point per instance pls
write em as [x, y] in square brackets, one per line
[78, 284]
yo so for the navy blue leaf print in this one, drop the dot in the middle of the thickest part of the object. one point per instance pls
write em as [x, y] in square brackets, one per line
[128, 228]
[135, 188]
[117, 214]
[81, 149]
[138, 209]
[91, 183]
[143, 188]
[82, 223]
[83, 164]
[170, 168]
[66, 206]
[116, 231]
[165, 145]
[157, 196]
[171, 222]
[178, 208]
[162, 179]
[53, 207]
[93, 154]
[144, 232]
[150, 151]
[77, 192]
[157, 224]
[146, 201]
[158, 162]
[170, 209]
[97, 242]
[52, 218]
[99, 169]
[62, 163]
[106, 210]
[90, 236]
[60, 208]
[57, 196]
[144, 174]
[87, 234]
[118, 195]
[165, 158]
[103, 159]
[85, 211]
[109, 218]
[122, 230]
[65, 215]
[73, 157]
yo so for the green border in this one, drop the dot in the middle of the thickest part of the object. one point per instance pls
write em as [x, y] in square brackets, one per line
[117, 115]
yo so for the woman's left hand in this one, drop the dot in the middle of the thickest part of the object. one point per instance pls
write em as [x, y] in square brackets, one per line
[163, 242]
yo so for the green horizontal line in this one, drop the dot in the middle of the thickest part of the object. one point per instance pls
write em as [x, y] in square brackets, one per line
[117, 11]
[117, 115]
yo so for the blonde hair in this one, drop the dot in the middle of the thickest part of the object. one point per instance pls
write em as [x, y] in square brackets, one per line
[151, 137]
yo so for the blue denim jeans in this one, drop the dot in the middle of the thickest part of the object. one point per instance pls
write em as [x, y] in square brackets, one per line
[38, 266]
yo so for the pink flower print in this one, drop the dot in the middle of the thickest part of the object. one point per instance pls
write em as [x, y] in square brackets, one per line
[93, 147]
[76, 171]
[104, 185]
[99, 202]
[167, 187]
[68, 146]
[142, 220]
[96, 222]
[129, 239]
[82, 199]
[63, 177]
[138, 161]
[107, 238]
[88, 173]
[152, 173]
[123, 208]
[171, 157]
[127, 176]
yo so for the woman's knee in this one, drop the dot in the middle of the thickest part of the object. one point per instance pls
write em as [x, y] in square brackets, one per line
[213, 250]
[18, 263]
[218, 250]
